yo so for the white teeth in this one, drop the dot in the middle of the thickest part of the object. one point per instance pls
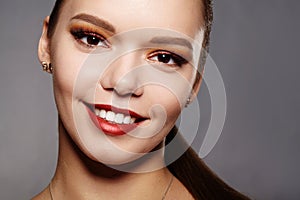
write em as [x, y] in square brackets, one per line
[127, 120]
[110, 116]
[117, 118]
[102, 114]
[97, 112]
[132, 120]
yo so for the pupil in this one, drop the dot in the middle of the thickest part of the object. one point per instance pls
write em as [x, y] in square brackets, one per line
[92, 40]
[164, 58]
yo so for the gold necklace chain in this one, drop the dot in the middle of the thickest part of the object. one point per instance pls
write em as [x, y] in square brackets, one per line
[168, 188]
[50, 189]
[163, 197]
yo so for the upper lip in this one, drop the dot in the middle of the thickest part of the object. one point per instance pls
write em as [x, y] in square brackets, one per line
[115, 110]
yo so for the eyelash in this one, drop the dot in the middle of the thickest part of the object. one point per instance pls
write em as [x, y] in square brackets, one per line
[177, 60]
[80, 34]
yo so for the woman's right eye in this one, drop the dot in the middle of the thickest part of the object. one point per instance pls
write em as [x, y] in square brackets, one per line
[90, 39]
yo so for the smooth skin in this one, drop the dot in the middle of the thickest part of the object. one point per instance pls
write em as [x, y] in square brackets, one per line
[81, 172]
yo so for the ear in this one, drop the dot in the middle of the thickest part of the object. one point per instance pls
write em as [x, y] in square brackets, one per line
[44, 43]
[196, 86]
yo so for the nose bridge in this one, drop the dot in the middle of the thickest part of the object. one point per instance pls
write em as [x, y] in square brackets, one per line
[124, 64]
[121, 75]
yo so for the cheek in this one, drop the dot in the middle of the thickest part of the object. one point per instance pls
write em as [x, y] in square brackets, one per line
[168, 100]
[66, 61]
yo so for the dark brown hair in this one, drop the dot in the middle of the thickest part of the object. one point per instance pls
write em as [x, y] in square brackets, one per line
[189, 169]
[194, 174]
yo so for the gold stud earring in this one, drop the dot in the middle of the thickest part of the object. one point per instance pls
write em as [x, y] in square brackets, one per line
[47, 67]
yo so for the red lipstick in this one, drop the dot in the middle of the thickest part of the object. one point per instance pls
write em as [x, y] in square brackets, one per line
[110, 127]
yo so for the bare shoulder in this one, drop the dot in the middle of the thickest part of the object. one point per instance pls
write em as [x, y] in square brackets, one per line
[178, 191]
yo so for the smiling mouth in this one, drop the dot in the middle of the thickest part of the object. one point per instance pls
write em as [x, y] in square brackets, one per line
[113, 121]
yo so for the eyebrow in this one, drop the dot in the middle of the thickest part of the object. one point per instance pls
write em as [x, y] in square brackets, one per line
[109, 27]
[95, 21]
[172, 40]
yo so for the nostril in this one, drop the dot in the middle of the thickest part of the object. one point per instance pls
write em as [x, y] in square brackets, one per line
[124, 90]
[138, 92]
[105, 82]
[122, 79]
[127, 85]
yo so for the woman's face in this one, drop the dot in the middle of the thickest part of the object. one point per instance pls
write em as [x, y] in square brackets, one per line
[123, 70]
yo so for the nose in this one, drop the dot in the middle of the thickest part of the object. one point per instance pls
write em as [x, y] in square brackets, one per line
[122, 77]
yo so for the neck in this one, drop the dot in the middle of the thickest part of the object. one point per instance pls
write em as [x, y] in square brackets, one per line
[77, 176]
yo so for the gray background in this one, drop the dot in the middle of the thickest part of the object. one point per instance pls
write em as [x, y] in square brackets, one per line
[256, 47]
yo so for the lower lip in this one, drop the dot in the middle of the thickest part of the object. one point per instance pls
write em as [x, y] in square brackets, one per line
[110, 128]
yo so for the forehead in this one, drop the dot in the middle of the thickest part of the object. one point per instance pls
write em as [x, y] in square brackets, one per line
[184, 16]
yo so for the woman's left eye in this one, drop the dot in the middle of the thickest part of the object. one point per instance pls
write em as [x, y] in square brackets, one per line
[167, 58]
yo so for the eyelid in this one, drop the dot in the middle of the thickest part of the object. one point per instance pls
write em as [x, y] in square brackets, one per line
[80, 32]
[179, 60]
